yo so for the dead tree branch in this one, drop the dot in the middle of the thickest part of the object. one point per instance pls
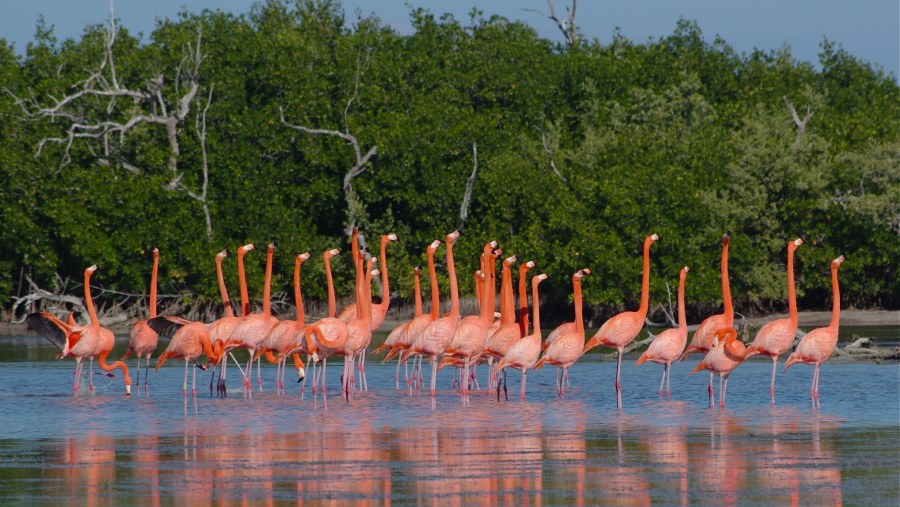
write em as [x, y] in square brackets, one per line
[550, 146]
[470, 183]
[566, 25]
[103, 111]
[356, 211]
[801, 124]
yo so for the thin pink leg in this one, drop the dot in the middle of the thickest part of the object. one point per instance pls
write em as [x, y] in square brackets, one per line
[522, 389]
[184, 385]
[618, 381]
[772, 385]
[710, 389]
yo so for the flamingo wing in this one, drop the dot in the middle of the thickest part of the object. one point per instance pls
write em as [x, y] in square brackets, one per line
[50, 327]
[166, 326]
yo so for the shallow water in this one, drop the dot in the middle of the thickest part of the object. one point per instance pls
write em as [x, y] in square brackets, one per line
[386, 447]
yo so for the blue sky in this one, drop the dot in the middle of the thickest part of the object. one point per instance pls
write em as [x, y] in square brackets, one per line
[869, 29]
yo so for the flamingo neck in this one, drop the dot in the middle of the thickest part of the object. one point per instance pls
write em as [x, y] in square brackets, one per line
[366, 296]
[298, 297]
[523, 301]
[89, 301]
[726, 287]
[579, 321]
[435, 296]
[113, 366]
[507, 299]
[385, 285]
[242, 279]
[153, 274]
[418, 292]
[226, 304]
[536, 309]
[332, 303]
[836, 296]
[645, 281]
[792, 293]
[682, 318]
[267, 283]
[454, 288]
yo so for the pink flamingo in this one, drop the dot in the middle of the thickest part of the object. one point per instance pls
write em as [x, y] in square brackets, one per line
[726, 355]
[776, 337]
[283, 340]
[567, 346]
[703, 337]
[380, 310]
[524, 353]
[472, 331]
[329, 333]
[220, 330]
[418, 324]
[621, 329]
[817, 346]
[397, 333]
[189, 340]
[438, 333]
[252, 330]
[667, 346]
[509, 331]
[81, 342]
[143, 339]
[359, 330]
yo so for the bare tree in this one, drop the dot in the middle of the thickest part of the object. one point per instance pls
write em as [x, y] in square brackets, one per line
[550, 142]
[801, 124]
[566, 24]
[356, 210]
[102, 111]
[467, 195]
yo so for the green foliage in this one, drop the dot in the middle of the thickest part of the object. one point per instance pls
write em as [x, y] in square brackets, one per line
[580, 155]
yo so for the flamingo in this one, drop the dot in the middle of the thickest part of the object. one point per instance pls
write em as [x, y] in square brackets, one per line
[189, 340]
[397, 333]
[567, 346]
[524, 353]
[380, 310]
[285, 338]
[220, 330]
[817, 346]
[252, 330]
[509, 331]
[472, 332]
[438, 333]
[703, 337]
[143, 339]
[359, 330]
[726, 354]
[621, 329]
[418, 324]
[776, 337]
[81, 342]
[667, 346]
[330, 333]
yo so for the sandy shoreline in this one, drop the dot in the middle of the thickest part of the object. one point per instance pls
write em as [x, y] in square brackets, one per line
[808, 320]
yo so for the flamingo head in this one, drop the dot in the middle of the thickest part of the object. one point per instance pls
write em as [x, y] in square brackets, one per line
[90, 270]
[794, 244]
[221, 255]
[509, 261]
[726, 238]
[538, 279]
[684, 270]
[837, 262]
[417, 270]
[155, 253]
[434, 246]
[391, 237]
[301, 258]
[529, 264]
[653, 237]
[451, 237]
[246, 248]
[331, 253]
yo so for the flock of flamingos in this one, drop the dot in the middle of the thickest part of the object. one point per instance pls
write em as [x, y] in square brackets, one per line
[446, 340]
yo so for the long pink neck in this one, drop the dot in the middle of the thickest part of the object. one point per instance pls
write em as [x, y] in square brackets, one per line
[487, 292]
[153, 274]
[226, 303]
[88, 300]
[418, 292]
[836, 295]
[332, 301]
[385, 285]
[523, 300]
[645, 282]
[242, 279]
[435, 296]
[792, 293]
[298, 296]
[454, 288]
[682, 318]
[536, 305]
[726, 287]
[366, 299]
[579, 320]
[507, 300]
[267, 283]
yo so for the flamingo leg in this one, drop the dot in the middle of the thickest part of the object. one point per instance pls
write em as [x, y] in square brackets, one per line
[193, 383]
[91, 376]
[668, 378]
[184, 385]
[724, 391]
[522, 388]
[78, 367]
[662, 381]
[710, 389]
[146, 375]
[434, 376]
[259, 381]
[618, 381]
[772, 385]
[138, 376]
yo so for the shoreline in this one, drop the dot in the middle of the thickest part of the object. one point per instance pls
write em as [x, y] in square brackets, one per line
[808, 321]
